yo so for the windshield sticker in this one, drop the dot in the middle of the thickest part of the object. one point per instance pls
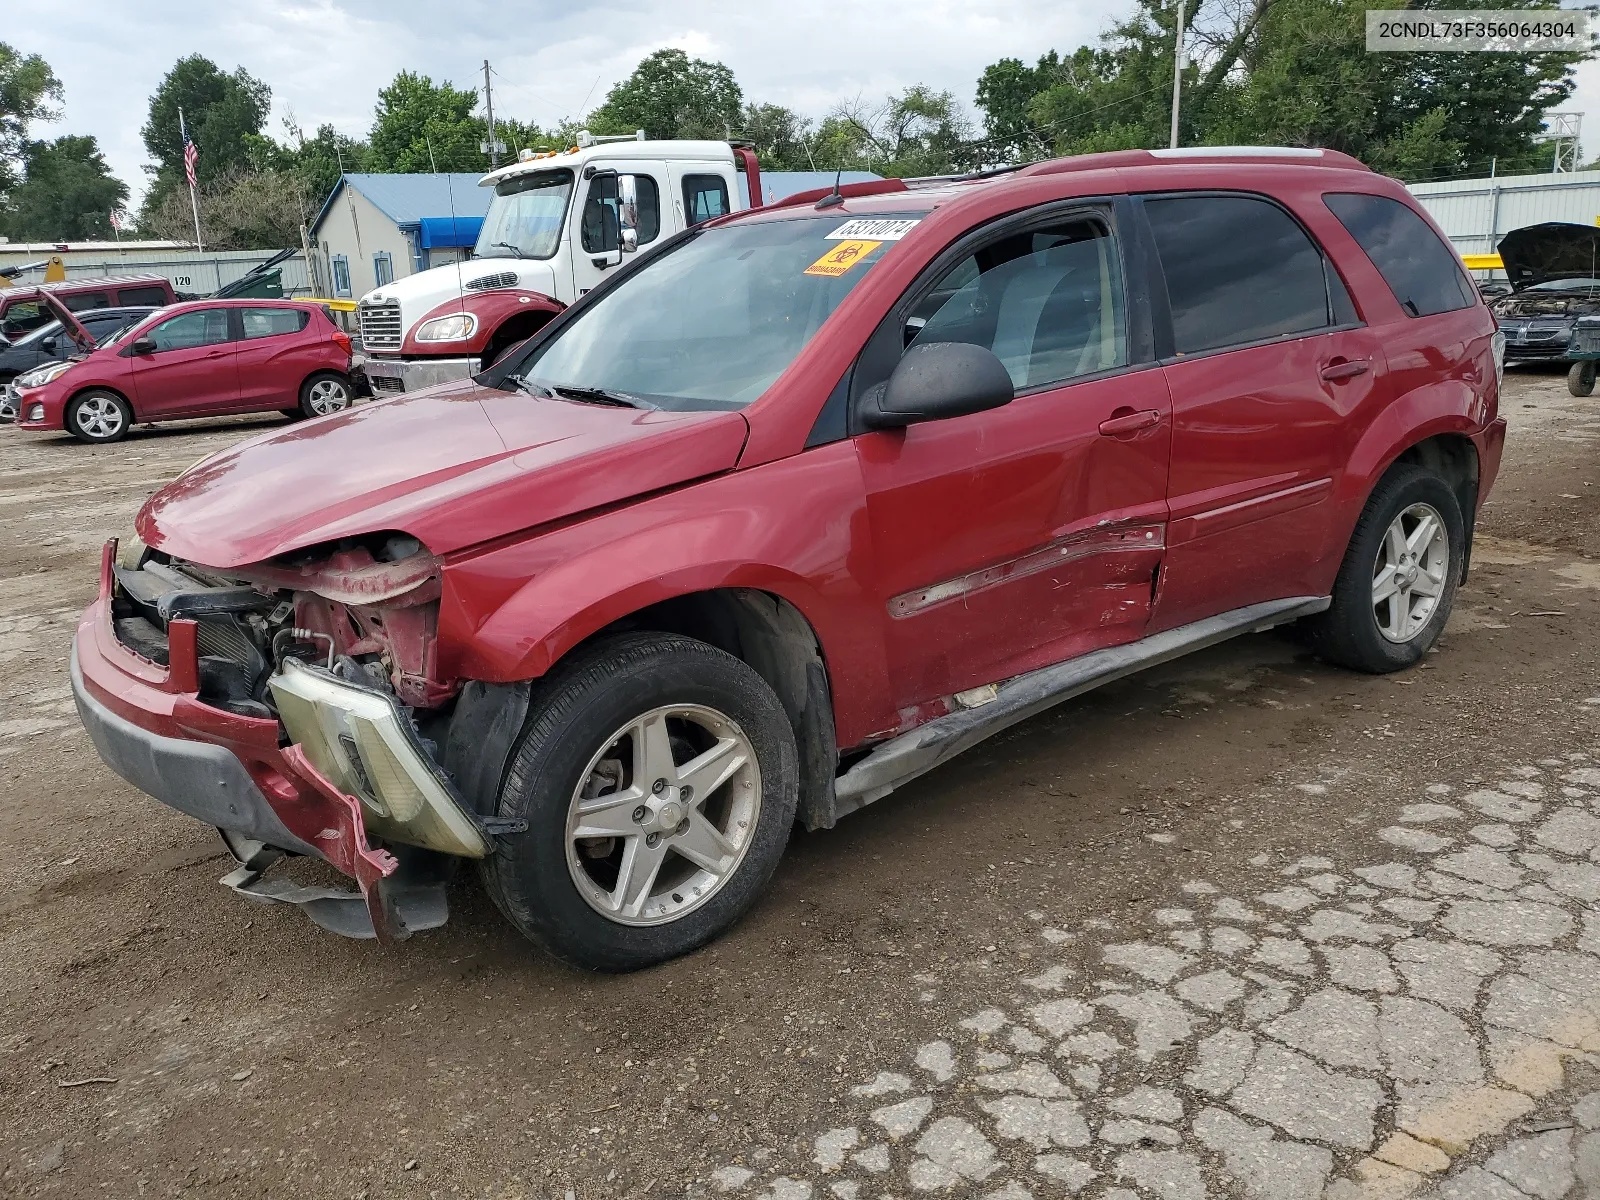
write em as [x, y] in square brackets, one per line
[883, 231]
[841, 258]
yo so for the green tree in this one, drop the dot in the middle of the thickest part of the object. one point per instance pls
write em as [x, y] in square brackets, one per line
[915, 132]
[782, 137]
[423, 126]
[317, 160]
[670, 95]
[223, 113]
[67, 193]
[243, 209]
[27, 89]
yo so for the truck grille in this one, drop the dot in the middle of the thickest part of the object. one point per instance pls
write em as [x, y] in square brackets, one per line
[380, 325]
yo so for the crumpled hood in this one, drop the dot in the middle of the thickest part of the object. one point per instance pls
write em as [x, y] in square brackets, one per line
[1553, 250]
[452, 466]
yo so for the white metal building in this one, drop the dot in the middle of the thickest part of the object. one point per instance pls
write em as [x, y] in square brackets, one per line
[1477, 213]
[189, 271]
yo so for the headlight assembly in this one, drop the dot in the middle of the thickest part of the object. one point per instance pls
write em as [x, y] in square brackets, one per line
[40, 376]
[457, 327]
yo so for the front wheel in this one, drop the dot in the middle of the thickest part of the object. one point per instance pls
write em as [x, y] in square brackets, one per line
[323, 394]
[658, 777]
[99, 416]
[1580, 378]
[1399, 576]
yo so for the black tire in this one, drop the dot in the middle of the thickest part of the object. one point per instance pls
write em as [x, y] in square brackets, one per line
[99, 417]
[1580, 378]
[576, 712]
[325, 392]
[1349, 633]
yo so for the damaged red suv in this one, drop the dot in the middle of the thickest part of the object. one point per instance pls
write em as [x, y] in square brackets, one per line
[788, 512]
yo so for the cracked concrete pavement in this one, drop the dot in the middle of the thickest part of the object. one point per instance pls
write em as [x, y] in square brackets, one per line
[1243, 926]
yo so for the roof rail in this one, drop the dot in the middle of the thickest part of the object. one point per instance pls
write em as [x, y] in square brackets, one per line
[1110, 159]
[969, 177]
[871, 187]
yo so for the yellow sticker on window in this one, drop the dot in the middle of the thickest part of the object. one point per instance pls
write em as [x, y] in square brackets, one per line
[841, 258]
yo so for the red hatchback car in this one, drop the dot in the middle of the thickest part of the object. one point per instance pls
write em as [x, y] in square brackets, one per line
[204, 358]
[790, 511]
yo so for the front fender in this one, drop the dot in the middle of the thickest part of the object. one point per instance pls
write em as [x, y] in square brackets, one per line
[493, 309]
[795, 528]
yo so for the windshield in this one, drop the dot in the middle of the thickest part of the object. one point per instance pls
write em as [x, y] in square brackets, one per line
[1566, 285]
[712, 322]
[525, 216]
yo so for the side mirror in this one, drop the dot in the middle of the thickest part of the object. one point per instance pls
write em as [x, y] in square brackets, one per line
[48, 345]
[143, 345]
[628, 212]
[936, 381]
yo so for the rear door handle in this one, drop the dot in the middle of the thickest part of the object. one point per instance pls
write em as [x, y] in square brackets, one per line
[1335, 372]
[1130, 422]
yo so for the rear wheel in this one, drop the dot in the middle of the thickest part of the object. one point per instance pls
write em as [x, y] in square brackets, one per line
[99, 416]
[1580, 378]
[323, 394]
[658, 777]
[1398, 581]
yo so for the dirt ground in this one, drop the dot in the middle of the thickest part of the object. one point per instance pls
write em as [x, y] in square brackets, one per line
[161, 1037]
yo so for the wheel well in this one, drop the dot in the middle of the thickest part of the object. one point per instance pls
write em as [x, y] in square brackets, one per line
[515, 329]
[341, 375]
[1454, 458]
[774, 639]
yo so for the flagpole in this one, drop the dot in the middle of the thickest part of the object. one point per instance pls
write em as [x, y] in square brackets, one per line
[194, 203]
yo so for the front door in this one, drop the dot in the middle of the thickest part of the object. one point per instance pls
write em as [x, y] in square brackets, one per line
[1012, 539]
[189, 367]
[1269, 362]
[597, 238]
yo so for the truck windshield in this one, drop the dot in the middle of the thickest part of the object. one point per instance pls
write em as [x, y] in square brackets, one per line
[525, 216]
[713, 321]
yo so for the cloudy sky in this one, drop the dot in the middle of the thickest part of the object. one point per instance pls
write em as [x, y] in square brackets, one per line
[326, 60]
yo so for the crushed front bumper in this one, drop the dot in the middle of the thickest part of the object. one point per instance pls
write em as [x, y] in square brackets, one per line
[388, 376]
[230, 771]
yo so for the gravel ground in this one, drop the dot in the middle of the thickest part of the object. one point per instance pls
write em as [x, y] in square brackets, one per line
[1245, 925]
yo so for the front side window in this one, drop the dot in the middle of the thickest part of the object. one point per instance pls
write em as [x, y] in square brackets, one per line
[203, 327]
[1238, 270]
[271, 322]
[711, 322]
[525, 216]
[704, 197]
[1048, 302]
[23, 316]
[601, 223]
[1423, 273]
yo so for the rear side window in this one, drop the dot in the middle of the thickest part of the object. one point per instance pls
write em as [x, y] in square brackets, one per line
[138, 296]
[704, 197]
[270, 322]
[1238, 270]
[82, 301]
[1423, 273]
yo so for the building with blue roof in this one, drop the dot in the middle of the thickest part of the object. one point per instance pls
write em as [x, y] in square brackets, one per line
[378, 228]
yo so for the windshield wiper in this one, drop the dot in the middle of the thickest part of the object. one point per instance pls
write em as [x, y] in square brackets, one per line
[592, 395]
[523, 384]
[515, 250]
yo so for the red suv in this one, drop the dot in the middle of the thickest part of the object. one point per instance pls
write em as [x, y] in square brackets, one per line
[201, 359]
[789, 512]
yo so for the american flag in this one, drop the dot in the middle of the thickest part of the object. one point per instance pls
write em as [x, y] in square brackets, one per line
[190, 153]
[117, 218]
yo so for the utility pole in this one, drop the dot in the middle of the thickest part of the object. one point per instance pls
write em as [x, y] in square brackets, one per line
[1177, 71]
[488, 104]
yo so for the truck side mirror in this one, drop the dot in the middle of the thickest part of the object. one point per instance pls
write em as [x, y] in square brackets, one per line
[628, 212]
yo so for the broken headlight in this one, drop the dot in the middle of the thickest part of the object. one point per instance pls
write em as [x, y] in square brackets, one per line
[362, 742]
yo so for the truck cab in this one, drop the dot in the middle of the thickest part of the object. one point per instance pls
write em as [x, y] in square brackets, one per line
[557, 223]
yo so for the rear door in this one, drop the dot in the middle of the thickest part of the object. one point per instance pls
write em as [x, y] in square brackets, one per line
[189, 368]
[277, 349]
[700, 191]
[1015, 538]
[1266, 362]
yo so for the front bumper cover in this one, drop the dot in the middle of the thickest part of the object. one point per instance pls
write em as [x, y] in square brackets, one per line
[386, 376]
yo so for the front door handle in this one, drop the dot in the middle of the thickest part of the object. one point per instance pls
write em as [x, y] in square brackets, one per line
[1336, 372]
[1130, 422]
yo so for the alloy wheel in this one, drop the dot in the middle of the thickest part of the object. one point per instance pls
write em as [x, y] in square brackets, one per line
[99, 417]
[663, 815]
[328, 395]
[1409, 576]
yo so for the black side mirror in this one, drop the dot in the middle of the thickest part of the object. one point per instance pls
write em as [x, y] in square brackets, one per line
[143, 346]
[936, 381]
[48, 345]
